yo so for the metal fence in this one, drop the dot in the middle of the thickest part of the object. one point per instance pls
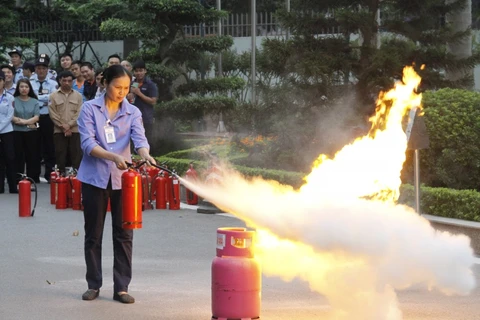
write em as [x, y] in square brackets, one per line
[235, 25]
[63, 31]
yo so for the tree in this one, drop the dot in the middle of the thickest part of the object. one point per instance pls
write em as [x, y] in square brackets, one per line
[172, 57]
[323, 81]
[81, 17]
[8, 22]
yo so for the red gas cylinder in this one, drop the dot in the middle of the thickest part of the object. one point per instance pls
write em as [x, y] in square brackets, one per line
[191, 175]
[53, 186]
[160, 191]
[236, 276]
[174, 200]
[131, 200]
[24, 198]
[61, 202]
[76, 193]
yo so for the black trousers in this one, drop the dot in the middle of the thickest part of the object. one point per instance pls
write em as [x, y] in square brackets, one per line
[95, 202]
[46, 142]
[7, 161]
[27, 151]
[67, 145]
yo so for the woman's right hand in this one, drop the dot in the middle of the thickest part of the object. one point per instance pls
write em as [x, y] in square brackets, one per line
[120, 162]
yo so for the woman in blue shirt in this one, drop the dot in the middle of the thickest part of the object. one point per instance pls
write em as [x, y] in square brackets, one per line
[7, 151]
[26, 136]
[106, 126]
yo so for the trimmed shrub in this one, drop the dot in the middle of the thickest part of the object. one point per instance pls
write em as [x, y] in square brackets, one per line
[443, 202]
[181, 166]
[452, 117]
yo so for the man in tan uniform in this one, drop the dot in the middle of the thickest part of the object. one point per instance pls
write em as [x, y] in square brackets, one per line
[64, 109]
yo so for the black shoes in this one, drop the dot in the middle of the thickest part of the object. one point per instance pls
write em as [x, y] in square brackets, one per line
[90, 294]
[123, 298]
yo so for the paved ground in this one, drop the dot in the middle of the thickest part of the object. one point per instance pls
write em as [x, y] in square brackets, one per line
[42, 272]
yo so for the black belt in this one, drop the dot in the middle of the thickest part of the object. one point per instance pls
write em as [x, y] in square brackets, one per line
[44, 115]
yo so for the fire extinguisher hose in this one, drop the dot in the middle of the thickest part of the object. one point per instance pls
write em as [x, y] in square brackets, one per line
[173, 173]
[36, 194]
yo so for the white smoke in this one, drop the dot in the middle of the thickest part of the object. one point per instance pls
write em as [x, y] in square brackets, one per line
[356, 253]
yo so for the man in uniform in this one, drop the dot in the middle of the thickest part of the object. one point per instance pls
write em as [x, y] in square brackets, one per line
[51, 74]
[9, 72]
[16, 60]
[43, 88]
[28, 69]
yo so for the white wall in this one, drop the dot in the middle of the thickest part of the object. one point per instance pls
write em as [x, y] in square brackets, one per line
[101, 48]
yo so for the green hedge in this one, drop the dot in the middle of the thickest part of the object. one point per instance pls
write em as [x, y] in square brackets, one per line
[443, 202]
[294, 179]
[452, 117]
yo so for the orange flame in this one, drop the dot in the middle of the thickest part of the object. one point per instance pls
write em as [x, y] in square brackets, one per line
[341, 231]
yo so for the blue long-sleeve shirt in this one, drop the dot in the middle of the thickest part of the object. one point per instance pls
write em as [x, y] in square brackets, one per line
[6, 112]
[92, 121]
[48, 86]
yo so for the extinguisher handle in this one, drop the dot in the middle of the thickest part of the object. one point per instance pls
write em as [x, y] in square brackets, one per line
[172, 172]
[131, 165]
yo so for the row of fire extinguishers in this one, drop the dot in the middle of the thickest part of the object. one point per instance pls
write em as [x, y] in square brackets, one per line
[142, 183]
[156, 183]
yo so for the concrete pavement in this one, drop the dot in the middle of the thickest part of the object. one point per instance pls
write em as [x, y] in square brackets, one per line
[42, 271]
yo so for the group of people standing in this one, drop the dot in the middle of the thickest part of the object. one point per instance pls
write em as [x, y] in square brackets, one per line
[87, 117]
[46, 105]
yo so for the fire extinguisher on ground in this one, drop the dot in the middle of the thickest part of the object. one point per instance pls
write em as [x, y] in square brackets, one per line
[76, 193]
[53, 185]
[174, 201]
[24, 196]
[61, 202]
[160, 191]
[191, 175]
[146, 190]
[167, 188]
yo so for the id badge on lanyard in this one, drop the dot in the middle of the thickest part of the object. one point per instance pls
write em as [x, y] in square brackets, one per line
[110, 133]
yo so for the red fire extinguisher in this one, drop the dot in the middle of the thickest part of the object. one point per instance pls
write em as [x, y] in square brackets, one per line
[24, 197]
[191, 175]
[61, 202]
[174, 201]
[53, 186]
[76, 193]
[169, 187]
[161, 189]
[146, 185]
[152, 172]
[69, 191]
[131, 200]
